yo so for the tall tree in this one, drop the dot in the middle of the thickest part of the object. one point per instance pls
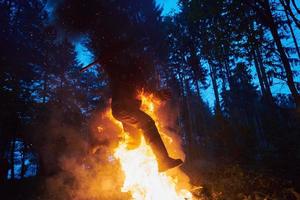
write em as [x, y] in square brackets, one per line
[264, 11]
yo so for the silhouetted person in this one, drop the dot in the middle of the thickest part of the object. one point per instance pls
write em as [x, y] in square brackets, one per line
[126, 79]
[121, 33]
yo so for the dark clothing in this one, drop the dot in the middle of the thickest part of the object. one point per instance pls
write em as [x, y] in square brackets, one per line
[126, 78]
[132, 118]
[128, 112]
[126, 75]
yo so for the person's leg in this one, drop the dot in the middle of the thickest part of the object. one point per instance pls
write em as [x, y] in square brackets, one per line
[141, 120]
[153, 138]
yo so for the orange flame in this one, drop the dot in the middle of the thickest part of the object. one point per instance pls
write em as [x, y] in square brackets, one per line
[142, 178]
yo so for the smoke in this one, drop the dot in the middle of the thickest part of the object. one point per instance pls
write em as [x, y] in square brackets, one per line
[92, 178]
[78, 164]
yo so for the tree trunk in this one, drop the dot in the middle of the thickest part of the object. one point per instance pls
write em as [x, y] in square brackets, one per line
[3, 161]
[23, 166]
[264, 77]
[261, 83]
[192, 145]
[195, 63]
[213, 76]
[12, 158]
[289, 74]
[259, 66]
[228, 73]
[187, 122]
[45, 87]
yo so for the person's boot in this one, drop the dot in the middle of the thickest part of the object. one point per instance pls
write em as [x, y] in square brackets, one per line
[169, 163]
[165, 162]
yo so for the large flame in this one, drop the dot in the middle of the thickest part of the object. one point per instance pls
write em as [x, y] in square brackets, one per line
[142, 179]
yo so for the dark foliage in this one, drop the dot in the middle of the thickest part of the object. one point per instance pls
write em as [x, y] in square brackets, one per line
[246, 146]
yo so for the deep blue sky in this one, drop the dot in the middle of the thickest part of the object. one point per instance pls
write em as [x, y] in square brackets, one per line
[168, 6]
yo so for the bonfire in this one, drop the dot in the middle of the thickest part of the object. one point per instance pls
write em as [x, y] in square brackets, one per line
[142, 179]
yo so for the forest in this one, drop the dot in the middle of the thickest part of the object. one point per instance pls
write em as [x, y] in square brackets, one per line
[232, 66]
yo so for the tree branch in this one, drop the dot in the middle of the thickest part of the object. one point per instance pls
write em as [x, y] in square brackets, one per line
[287, 7]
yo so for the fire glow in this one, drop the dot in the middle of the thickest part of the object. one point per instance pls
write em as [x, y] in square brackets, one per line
[142, 179]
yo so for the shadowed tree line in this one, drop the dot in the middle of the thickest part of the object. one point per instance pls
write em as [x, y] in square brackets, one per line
[235, 49]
